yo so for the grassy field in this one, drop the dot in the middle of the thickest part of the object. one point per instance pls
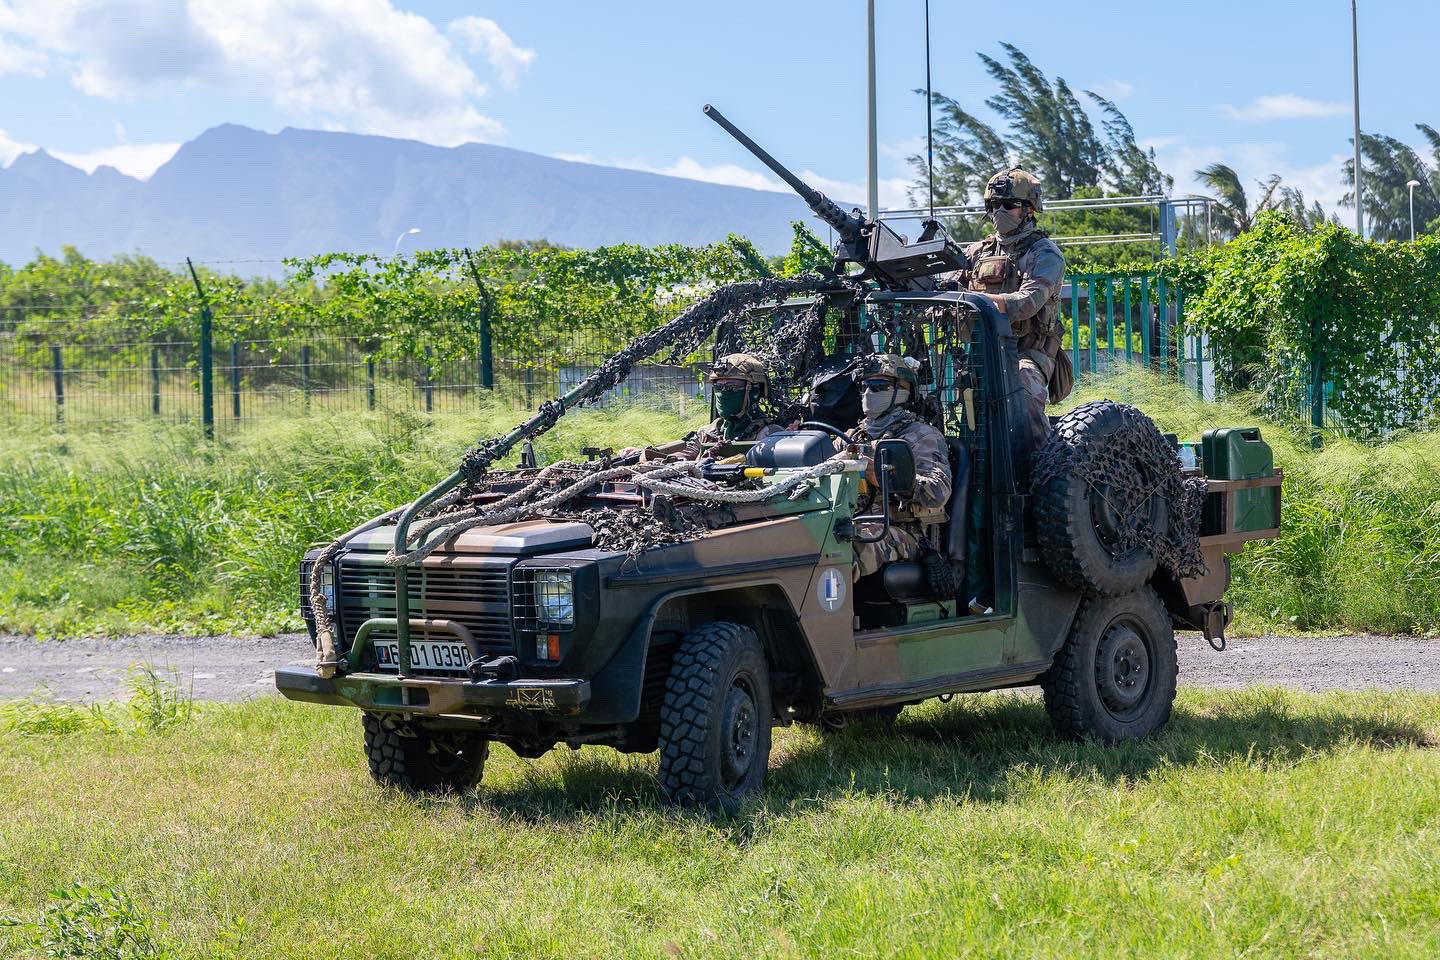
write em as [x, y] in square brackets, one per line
[155, 529]
[1259, 824]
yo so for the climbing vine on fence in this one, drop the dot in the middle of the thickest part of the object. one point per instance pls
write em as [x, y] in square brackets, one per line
[1277, 300]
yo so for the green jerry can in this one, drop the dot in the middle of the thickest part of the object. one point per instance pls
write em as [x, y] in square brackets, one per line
[1238, 453]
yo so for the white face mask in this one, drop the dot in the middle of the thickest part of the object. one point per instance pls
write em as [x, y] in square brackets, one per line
[877, 403]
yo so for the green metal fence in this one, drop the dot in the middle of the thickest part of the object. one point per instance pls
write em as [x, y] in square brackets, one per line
[63, 369]
[1134, 318]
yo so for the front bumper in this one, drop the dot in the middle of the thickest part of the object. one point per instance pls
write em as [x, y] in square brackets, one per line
[433, 695]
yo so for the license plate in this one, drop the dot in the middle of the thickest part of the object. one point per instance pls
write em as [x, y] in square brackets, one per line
[424, 655]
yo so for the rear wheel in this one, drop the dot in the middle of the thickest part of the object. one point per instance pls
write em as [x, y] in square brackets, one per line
[715, 718]
[1114, 679]
[417, 758]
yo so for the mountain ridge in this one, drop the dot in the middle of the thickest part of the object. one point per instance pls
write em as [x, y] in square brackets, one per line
[235, 193]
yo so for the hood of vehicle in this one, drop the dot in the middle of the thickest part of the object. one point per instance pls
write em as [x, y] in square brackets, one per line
[527, 538]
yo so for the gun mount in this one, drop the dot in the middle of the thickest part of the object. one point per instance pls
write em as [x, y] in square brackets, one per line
[883, 255]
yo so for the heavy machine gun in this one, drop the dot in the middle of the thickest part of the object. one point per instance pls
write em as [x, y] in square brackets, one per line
[882, 254]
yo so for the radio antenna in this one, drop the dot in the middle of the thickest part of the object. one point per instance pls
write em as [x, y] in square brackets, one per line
[929, 116]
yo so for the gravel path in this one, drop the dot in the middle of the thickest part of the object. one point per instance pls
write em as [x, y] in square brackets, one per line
[235, 668]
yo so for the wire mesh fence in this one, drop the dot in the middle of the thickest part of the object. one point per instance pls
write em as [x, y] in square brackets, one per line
[91, 380]
[69, 365]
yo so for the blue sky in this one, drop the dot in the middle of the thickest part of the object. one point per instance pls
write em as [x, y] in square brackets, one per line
[1264, 86]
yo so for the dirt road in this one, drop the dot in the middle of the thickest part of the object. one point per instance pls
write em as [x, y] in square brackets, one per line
[234, 668]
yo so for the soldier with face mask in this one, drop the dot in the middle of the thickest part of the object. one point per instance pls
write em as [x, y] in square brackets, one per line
[1021, 270]
[738, 382]
[889, 382]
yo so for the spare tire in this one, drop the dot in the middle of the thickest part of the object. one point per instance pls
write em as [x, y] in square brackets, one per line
[1101, 488]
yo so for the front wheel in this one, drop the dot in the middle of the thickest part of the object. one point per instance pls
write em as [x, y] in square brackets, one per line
[419, 759]
[1114, 679]
[715, 719]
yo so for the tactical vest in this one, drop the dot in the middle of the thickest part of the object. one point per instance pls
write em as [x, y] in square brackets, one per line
[996, 271]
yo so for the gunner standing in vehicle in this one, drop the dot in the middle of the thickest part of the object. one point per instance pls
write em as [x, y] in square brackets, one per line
[1021, 269]
[889, 383]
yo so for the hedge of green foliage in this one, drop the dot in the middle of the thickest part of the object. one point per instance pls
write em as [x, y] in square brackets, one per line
[1277, 299]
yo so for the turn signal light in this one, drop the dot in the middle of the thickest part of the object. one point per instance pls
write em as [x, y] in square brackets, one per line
[547, 646]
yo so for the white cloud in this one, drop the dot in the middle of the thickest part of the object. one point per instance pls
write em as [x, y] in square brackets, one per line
[484, 36]
[576, 157]
[1284, 106]
[138, 160]
[1253, 162]
[358, 65]
[729, 174]
[10, 148]
[1114, 90]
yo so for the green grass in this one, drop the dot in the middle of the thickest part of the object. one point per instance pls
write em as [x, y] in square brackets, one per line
[145, 528]
[154, 529]
[1260, 823]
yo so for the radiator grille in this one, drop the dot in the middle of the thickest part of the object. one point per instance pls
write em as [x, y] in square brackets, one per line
[475, 592]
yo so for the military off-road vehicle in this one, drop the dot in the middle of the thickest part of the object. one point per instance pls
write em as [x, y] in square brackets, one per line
[692, 606]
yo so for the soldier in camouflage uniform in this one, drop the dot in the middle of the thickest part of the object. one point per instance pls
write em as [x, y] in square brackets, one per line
[1021, 269]
[738, 382]
[889, 383]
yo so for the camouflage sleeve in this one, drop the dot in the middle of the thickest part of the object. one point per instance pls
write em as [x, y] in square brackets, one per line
[1042, 278]
[932, 466]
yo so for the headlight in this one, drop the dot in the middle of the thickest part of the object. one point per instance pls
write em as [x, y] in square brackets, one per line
[327, 587]
[554, 597]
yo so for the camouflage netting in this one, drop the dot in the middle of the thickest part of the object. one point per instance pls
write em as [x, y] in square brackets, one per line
[1127, 466]
[788, 351]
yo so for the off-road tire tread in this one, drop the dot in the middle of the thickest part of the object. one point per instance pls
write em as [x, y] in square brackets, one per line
[1065, 696]
[685, 713]
[1059, 529]
[393, 761]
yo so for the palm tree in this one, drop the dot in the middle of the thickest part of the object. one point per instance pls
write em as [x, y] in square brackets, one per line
[1233, 212]
[1389, 165]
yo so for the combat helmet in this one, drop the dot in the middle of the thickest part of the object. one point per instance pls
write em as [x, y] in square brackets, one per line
[740, 366]
[900, 369]
[1014, 184]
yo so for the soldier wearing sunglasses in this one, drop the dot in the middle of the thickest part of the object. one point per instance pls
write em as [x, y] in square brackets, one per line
[1021, 269]
[889, 383]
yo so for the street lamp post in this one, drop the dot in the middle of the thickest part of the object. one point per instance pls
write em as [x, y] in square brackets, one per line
[399, 239]
[1412, 184]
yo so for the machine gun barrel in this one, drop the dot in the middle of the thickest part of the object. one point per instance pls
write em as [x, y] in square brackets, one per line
[847, 225]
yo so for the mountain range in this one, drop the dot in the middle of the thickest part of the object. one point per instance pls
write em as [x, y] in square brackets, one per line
[237, 194]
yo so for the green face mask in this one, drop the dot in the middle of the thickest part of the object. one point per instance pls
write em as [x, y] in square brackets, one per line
[730, 403]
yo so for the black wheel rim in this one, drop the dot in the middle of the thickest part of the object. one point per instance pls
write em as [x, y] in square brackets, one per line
[1123, 668]
[1118, 516]
[739, 731]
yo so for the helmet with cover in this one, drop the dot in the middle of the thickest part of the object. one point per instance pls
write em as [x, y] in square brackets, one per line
[1013, 184]
[893, 366]
[738, 379]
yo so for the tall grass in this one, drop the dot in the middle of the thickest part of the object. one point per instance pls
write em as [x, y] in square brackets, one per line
[1359, 547]
[157, 529]
[154, 528]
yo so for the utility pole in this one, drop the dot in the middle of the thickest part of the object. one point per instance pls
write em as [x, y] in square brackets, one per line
[1355, 72]
[872, 137]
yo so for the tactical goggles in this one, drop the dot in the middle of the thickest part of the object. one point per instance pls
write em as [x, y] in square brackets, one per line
[877, 384]
[730, 386]
[1007, 204]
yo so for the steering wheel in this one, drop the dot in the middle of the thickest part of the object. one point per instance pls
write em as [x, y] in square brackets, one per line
[827, 428]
